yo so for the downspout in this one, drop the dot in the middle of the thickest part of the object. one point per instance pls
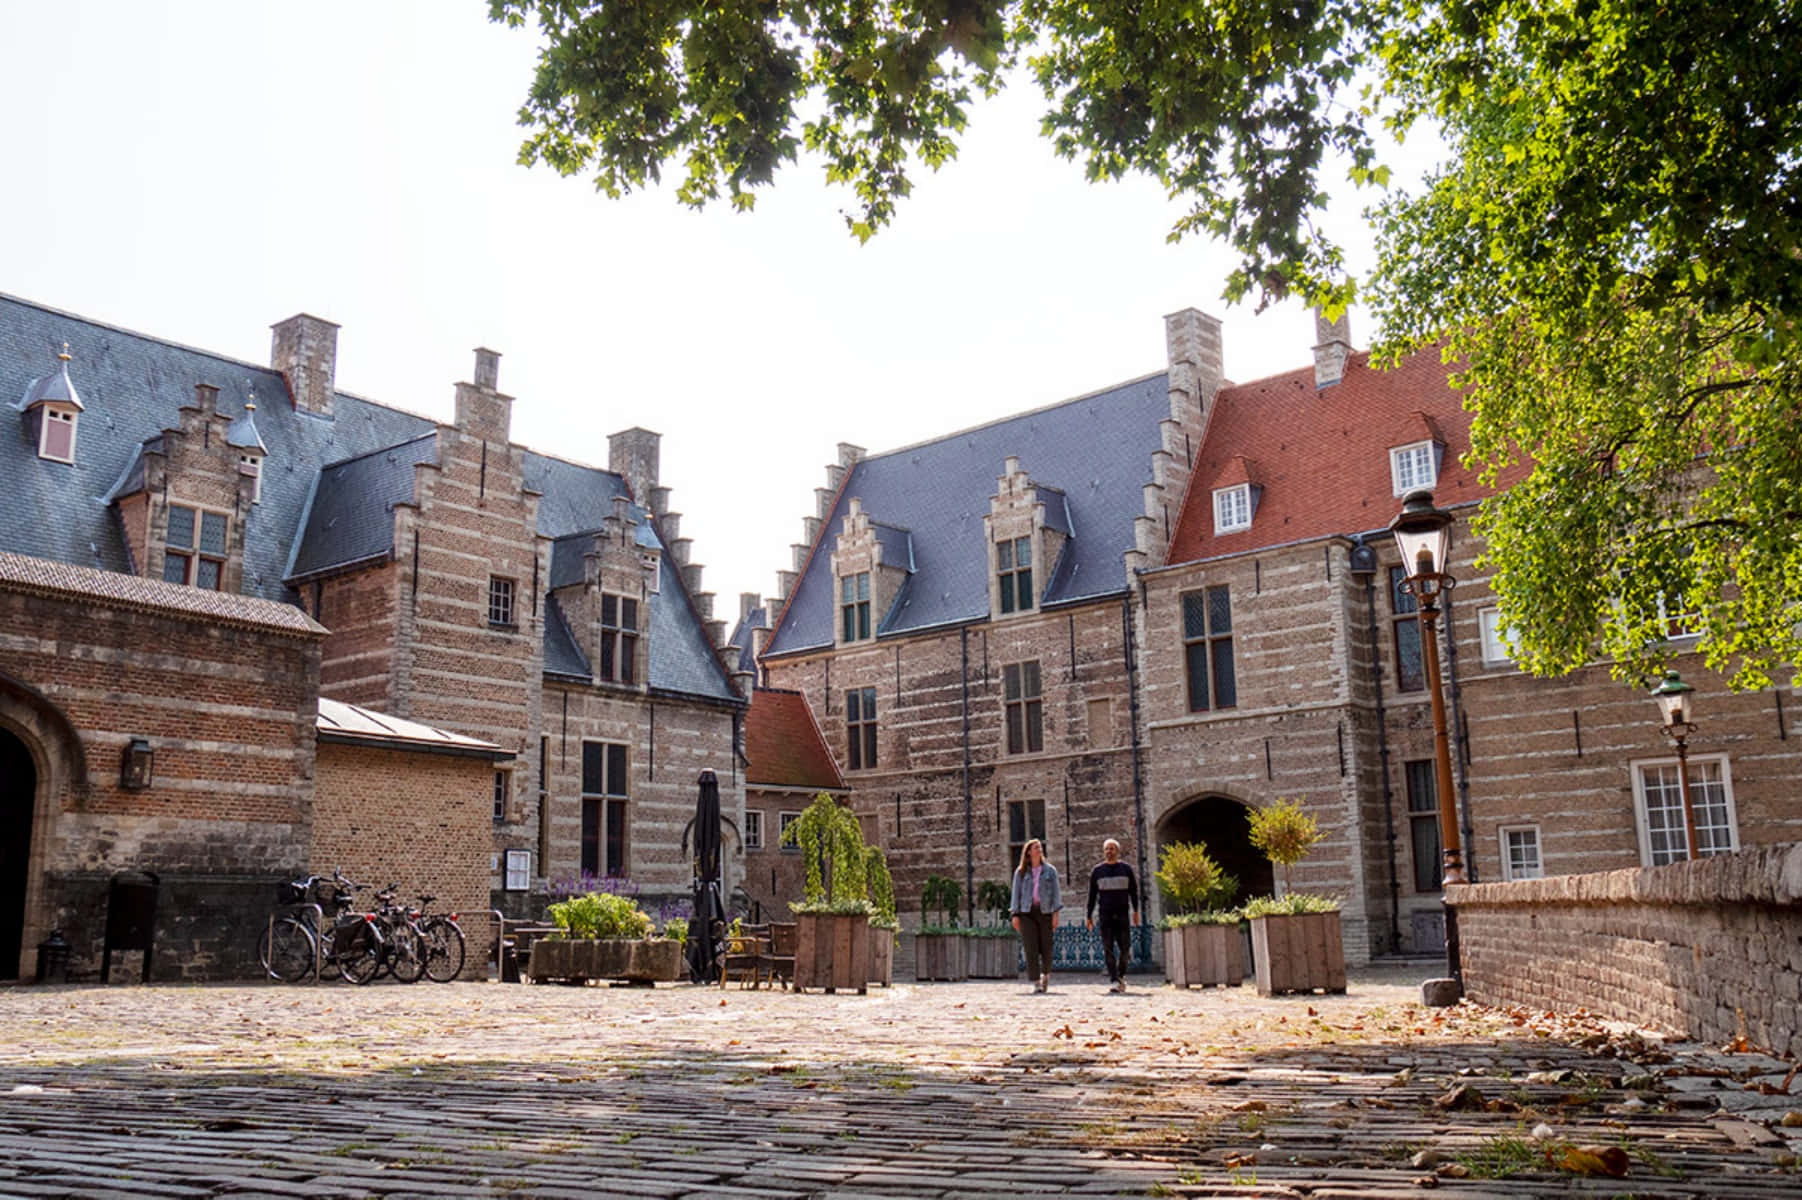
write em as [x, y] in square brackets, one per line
[1376, 681]
[963, 639]
[1463, 755]
[1132, 696]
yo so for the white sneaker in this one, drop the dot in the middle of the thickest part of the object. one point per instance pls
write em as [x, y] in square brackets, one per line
[1045, 982]
[1119, 985]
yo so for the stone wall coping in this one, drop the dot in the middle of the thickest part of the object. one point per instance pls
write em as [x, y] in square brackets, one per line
[1766, 875]
[39, 576]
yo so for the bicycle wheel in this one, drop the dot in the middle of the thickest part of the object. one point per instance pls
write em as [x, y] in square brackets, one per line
[286, 951]
[444, 949]
[358, 951]
[405, 954]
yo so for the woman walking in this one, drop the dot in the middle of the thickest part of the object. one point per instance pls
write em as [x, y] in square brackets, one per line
[1035, 905]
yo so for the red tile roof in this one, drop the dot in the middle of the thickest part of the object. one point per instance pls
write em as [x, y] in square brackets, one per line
[784, 744]
[1320, 456]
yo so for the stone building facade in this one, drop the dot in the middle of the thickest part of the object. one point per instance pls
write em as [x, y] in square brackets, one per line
[446, 574]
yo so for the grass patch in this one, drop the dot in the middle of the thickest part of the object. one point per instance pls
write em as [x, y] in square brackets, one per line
[1501, 1158]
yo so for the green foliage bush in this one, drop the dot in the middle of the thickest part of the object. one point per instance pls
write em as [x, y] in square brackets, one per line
[600, 915]
[676, 929]
[882, 888]
[940, 894]
[1190, 879]
[1284, 833]
[995, 897]
[831, 843]
[1221, 916]
[1294, 904]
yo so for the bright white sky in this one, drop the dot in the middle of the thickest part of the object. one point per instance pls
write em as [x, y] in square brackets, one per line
[198, 171]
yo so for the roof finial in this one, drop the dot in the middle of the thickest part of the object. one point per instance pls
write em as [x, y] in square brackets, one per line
[250, 404]
[65, 354]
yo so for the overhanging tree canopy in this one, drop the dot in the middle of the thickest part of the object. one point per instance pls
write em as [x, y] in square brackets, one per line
[1610, 249]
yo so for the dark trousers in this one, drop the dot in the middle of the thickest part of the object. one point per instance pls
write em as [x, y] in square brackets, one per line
[1116, 943]
[1035, 935]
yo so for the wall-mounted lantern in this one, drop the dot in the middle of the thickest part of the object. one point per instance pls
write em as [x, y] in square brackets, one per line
[135, 772]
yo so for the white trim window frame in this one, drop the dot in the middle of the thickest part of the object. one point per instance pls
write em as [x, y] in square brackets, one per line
[1413, 466]
[753, 829]
[518, 871]
[1494, 636]
[53, 420]
[252, 465]
[1232, 509]
[1658, 807]
[1518, 861]
[783, 821]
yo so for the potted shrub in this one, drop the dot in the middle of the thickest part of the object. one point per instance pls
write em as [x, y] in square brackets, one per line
[1296, 944]
[883, 923]
[939, 948]
[1202, 946]
[993, 947]
[832, 927]
[603, 936]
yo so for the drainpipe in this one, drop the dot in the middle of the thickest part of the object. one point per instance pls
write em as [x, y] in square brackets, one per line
[1132, 695]
[1463, 755]
[969, 816]
[1364, 564]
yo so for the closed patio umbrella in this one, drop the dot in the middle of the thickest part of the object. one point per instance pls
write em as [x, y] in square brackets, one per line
[707, 928]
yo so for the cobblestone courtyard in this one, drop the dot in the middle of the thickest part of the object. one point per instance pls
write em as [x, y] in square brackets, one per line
[978, 1089]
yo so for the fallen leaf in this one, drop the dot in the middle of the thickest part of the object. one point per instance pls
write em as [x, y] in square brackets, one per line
[1462, 1098]
[1595, 1160]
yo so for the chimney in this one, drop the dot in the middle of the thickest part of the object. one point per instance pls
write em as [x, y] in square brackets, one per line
[481, 410]
[1332, 347]
[748, 603]
[305, 351]
[632, 455]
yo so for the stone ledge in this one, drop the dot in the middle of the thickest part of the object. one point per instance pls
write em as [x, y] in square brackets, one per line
[1767, 875]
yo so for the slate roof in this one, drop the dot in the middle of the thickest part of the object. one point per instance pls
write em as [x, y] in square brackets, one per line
[784, 746]
[1320, 456]
[742, 637]
[1095, 449]
[27, 573]
[132, 386]
[350, 724]
[562, 655]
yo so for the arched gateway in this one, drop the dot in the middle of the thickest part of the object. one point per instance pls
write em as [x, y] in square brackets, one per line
[18, 798]
[1222, 824]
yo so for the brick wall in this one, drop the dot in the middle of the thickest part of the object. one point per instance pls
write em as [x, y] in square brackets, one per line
[359, 608]
[1711, 949]
[416, 819]
[774, 876]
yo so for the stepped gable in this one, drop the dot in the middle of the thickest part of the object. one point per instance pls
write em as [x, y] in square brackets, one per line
[1096, 450]
[1319, 456]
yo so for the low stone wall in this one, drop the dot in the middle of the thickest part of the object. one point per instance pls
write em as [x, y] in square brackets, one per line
[1710, 949]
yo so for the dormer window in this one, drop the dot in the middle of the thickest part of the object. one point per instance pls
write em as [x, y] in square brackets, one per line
[619, 638]
[56, 435]
[854, 607]
[1412, 467]
[194, 547]
[1232, 509]
[1013, 570]
[252, 465]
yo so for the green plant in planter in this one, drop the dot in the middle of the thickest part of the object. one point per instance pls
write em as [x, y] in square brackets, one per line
[940, 894]
[600, 915]
[1293, 904]
[831, 843]
[881, 887]
[993, 897]
[1286, 834]
[1194, 887]
[676, 929]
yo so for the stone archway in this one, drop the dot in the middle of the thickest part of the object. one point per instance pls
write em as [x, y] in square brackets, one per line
[18, 801]
[1223, 825]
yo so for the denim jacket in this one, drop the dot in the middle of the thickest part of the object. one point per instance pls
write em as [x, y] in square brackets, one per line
[1050, 900]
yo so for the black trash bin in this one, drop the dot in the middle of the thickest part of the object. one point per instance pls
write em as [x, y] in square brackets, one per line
[130, 919]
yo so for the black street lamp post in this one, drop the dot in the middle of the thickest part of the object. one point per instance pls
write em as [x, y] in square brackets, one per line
[1423, 534]
[1673, 696]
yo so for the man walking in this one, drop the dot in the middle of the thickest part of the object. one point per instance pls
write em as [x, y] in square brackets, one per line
[1115, 890]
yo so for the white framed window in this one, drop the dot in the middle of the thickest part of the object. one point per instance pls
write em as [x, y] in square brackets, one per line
[753, 829]
[1232, 509]
[519, 871]
[503, 789]
[1413, 467]
[500, 602]
[194, 544]
[1496, 636]
[252, 465]
[56, 434]
[783, 821]
[1520, 852]
[1658, 808]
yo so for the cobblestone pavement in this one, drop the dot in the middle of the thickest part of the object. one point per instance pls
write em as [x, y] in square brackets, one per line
[942, 1090]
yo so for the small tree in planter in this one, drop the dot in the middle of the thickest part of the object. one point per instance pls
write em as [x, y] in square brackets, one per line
[1296, 942]
[992, 945]
[832, 937]
[1202, 944]
[939, 949]
[603, 936]
[883, 924]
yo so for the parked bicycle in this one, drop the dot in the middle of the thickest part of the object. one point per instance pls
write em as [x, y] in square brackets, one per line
[403, 941]
[351, 946]
[443, 942]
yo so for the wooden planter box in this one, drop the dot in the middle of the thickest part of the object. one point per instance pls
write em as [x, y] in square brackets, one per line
[577, 960]
[992, 957]
[882, 956]
[832, 951]
[941, 956]
[1204, 956]
[1298, 953]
